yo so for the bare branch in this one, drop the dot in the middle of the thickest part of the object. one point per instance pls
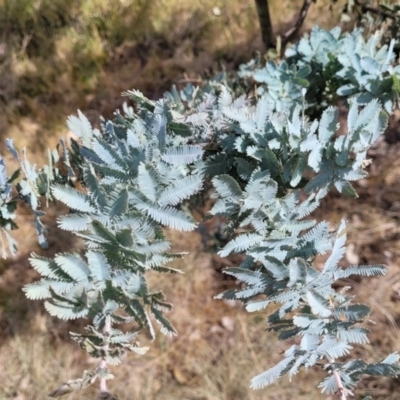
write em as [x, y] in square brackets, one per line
[379, 11]
[342, 391]
[299, 22]
[103, 363]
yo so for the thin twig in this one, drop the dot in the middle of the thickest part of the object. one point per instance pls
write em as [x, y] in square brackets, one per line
[190, 80]
[299, 22]
[379, 11]
[342, 391]
[339, 383]
[187, 79]
[103, 363]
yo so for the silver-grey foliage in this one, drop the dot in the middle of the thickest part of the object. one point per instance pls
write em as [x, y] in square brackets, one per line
[271, 163]
[273, 204]
[329, 65]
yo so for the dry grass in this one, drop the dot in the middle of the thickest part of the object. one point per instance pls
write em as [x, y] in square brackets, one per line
[57, 56]
[218, 350]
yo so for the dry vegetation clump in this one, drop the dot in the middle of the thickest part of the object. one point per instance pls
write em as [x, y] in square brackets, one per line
[57, 56]
[213, 358]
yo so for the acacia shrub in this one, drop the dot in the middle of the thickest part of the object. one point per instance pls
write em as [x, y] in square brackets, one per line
[271, 164]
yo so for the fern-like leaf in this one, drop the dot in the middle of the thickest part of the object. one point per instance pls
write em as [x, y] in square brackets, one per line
[182, 154]
[180, 190]
[241, 243]
[271, 375]
[171, 217]
[72, 198]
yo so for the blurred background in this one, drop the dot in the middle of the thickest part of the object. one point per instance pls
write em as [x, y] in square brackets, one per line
[57, 56]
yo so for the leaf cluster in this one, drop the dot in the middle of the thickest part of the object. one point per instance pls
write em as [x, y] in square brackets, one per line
[271, 161]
